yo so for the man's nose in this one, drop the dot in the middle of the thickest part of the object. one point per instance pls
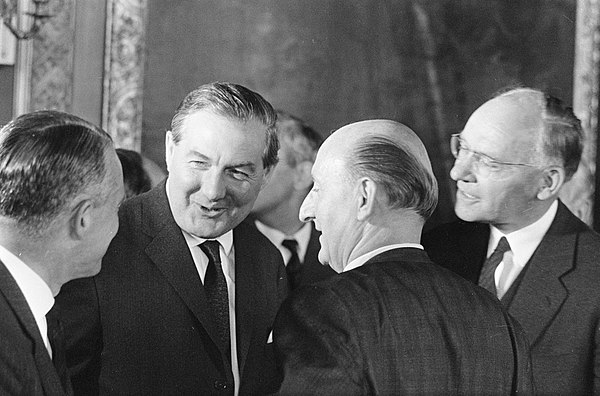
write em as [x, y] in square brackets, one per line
[307, 209]
[213, 185]
[463, 169]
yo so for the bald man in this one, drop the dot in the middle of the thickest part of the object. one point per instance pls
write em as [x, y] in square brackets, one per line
[517, 240]
[391, 322]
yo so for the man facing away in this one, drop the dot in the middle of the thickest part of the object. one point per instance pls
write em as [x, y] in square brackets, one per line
[187, 296]
[275, 212]
[60, 188]
[391, 322]
[512, 158]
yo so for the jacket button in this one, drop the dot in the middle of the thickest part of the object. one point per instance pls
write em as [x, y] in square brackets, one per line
[220, 385]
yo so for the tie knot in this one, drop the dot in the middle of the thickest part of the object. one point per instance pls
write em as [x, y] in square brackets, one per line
[211, 249]
[291, 245]
[502, 246]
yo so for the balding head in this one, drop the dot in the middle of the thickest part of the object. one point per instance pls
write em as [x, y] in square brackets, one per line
[391, 154]
[512, 158]
[544, 131]
[373, 187]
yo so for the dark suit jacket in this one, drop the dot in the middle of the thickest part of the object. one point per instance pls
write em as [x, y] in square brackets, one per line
[311, 270]
[399, 325]
[557, 300]
[25, 365]
[146, 312]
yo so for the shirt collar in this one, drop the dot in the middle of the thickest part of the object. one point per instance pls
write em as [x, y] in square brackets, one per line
[37, 293]
[359, 261]
[523, 242]
[302, 236]
[226, 240]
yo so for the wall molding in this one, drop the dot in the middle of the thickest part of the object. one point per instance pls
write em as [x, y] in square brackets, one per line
[125, 56]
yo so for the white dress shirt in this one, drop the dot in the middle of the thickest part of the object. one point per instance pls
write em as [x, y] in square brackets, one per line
[302, 236]
[359, 261]
[37, 293]
[523, 244]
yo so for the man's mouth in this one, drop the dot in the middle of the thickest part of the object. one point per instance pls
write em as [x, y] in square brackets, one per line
[212, 211]
[466, 195]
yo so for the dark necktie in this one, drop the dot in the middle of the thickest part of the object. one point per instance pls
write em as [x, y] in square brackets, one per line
[486, 278]
[215, 287]
[293, 266]
[56, 338]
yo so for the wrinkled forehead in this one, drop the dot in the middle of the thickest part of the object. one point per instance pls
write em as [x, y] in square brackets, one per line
[518, 113]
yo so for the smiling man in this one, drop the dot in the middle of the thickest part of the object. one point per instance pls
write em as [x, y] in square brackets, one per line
[517, 240]
[187, 295]
[392, 322]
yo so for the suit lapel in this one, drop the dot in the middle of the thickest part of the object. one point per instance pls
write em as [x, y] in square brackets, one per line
[541, 292]
[170, 253]
[248, 299]
[13, 295]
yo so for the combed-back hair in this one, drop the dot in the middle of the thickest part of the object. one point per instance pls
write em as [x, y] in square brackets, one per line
[299, 139]
[135, 177]
[406, 182]
[46, 158]
[235, 102]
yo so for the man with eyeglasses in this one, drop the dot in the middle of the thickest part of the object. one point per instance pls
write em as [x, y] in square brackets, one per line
[519, 241]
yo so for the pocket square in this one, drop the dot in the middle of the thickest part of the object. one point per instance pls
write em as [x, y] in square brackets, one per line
[270, 338]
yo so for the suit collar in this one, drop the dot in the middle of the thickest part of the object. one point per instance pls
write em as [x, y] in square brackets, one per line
[36, 291]
[10, 290]
[400, 254]
[542, 292]
[361, 260]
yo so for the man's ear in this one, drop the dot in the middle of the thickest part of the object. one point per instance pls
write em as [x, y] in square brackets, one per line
[302, 177]
[81, 218]
[169, 147]
[553, 179]
[366, 198]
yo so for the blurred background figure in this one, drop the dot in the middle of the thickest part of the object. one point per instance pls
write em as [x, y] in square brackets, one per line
[135, 177]
[275, 212]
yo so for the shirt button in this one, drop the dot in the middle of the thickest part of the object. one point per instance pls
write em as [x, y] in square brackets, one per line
[220, 385]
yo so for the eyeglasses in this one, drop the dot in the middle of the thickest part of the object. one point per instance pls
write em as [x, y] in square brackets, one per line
[482, 163]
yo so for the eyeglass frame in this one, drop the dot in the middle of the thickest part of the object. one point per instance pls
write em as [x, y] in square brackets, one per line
[480, 158]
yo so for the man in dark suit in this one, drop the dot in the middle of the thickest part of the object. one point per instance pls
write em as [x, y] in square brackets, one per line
[512, 158]
[187, 296]
[60, 187]
[391, 322]
[275, 212]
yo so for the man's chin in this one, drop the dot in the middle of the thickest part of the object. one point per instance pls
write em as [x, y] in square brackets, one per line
[466, 213]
